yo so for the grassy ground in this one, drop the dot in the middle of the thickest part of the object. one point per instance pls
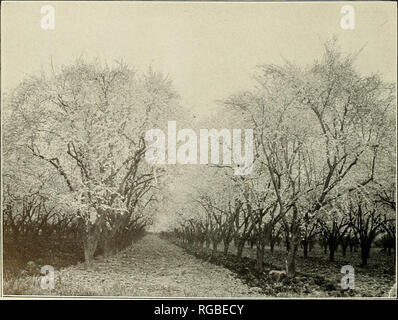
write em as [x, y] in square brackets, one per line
[52, 251]
[152, 267]
[317, 276]
[155, 267]
[374, 280]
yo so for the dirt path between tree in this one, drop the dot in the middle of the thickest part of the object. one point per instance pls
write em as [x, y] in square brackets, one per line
[152, 267]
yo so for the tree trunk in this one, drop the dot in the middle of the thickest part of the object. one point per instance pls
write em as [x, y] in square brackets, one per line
[310, 246]
[295, 240]
[365, 252]
[305, 249]
[239, 248]
[215, 246]
[344, 249]
[91, 236]
[226, 247]
[287, 243]
[272, 245]
[251, 243]
[332, 249]
[291, 258]
[207, 243]
[260, 257]
[90, 243]
[108, 247]
[110, 243]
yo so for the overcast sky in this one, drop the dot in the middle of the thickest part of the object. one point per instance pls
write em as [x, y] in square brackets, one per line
[209, 50]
